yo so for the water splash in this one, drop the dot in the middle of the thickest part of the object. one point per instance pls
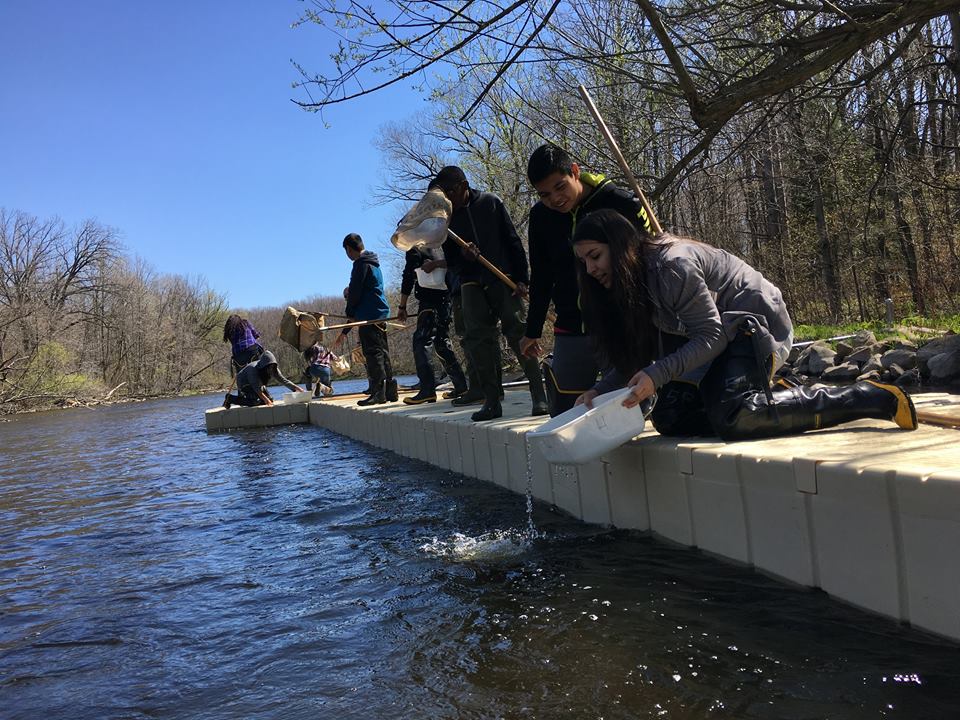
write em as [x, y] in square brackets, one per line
[494, 546]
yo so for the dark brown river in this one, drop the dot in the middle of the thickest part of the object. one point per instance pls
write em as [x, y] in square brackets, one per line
[149, 570]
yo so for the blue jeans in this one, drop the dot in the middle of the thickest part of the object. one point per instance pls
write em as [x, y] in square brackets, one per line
[320, 372]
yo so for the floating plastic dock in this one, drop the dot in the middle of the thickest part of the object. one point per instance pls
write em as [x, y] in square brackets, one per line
[867, 512]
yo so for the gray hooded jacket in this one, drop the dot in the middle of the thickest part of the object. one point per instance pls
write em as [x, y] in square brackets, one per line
[248, 379]
[705, 294]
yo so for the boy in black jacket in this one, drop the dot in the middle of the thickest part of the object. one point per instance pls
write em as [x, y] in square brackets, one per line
[566, 195]
[481, 219]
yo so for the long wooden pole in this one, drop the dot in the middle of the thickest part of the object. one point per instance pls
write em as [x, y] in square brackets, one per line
[605, 131]
[360, 323]
[930, 418]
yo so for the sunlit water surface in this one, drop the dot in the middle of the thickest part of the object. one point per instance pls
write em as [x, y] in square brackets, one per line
[149, 570]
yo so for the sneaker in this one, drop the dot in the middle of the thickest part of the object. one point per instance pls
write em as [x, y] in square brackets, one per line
[420, 398]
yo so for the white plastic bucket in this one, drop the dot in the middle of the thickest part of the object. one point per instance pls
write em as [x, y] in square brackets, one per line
[580, 435]
[296, 397]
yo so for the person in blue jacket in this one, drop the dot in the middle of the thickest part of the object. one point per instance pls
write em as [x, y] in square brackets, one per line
[366, 300]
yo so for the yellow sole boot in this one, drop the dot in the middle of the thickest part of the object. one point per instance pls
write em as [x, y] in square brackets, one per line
[906, 415]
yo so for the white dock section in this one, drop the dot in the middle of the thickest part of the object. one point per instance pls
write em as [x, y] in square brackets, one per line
[867, 512]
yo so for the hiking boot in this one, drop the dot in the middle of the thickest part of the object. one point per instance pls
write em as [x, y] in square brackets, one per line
[420, 398]
[470, 397]
[453, 394]
[391, 391]
[489, 411]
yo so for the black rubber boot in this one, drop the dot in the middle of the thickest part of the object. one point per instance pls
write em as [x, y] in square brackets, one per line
[538, 392]
[811, 408]
[491, 410]
[391, 390]
[377, 398]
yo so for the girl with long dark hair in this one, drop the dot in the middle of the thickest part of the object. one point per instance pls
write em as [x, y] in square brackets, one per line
[244, 342]
[704, 331]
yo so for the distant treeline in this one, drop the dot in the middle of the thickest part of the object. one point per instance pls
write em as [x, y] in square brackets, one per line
[79, 320]
[82, 322]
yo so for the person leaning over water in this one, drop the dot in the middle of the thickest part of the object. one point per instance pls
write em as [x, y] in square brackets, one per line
[705, 332]
[243, 338]
[253, 379]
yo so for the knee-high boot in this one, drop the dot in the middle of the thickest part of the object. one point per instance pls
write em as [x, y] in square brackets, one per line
[538, 394]
[804, 408]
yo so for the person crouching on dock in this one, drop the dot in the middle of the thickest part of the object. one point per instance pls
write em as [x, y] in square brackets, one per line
[318, 368]
[253, 379]
[704, 331]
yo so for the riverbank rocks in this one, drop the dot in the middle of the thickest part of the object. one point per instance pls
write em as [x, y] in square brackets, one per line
[816, 358]
[863, 357]
[846, 371]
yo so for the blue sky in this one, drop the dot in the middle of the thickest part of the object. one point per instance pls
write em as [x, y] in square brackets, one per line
[173, 123]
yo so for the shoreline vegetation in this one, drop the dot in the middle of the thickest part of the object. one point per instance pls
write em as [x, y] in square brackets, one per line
[829, 345]
[82, 324]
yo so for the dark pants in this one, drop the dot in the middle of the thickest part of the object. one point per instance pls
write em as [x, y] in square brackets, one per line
[734, 401]
[373, 342]
[248, 399]
[460, 328]
[571, 371]
[483, 307]
[432, 338]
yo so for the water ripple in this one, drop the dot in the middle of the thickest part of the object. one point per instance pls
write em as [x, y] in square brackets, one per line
[148, 570]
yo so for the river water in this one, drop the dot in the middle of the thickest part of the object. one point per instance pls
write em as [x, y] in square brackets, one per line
[149, 570]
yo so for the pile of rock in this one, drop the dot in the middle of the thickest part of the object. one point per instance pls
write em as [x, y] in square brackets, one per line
[863, 357]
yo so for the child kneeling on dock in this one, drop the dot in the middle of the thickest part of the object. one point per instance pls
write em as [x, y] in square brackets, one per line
[253, 379]
[318, 367]
[703, 331]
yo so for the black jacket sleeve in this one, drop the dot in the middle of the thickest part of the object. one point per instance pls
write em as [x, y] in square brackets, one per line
[541, 277]
[413, 260]
[513, 246]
